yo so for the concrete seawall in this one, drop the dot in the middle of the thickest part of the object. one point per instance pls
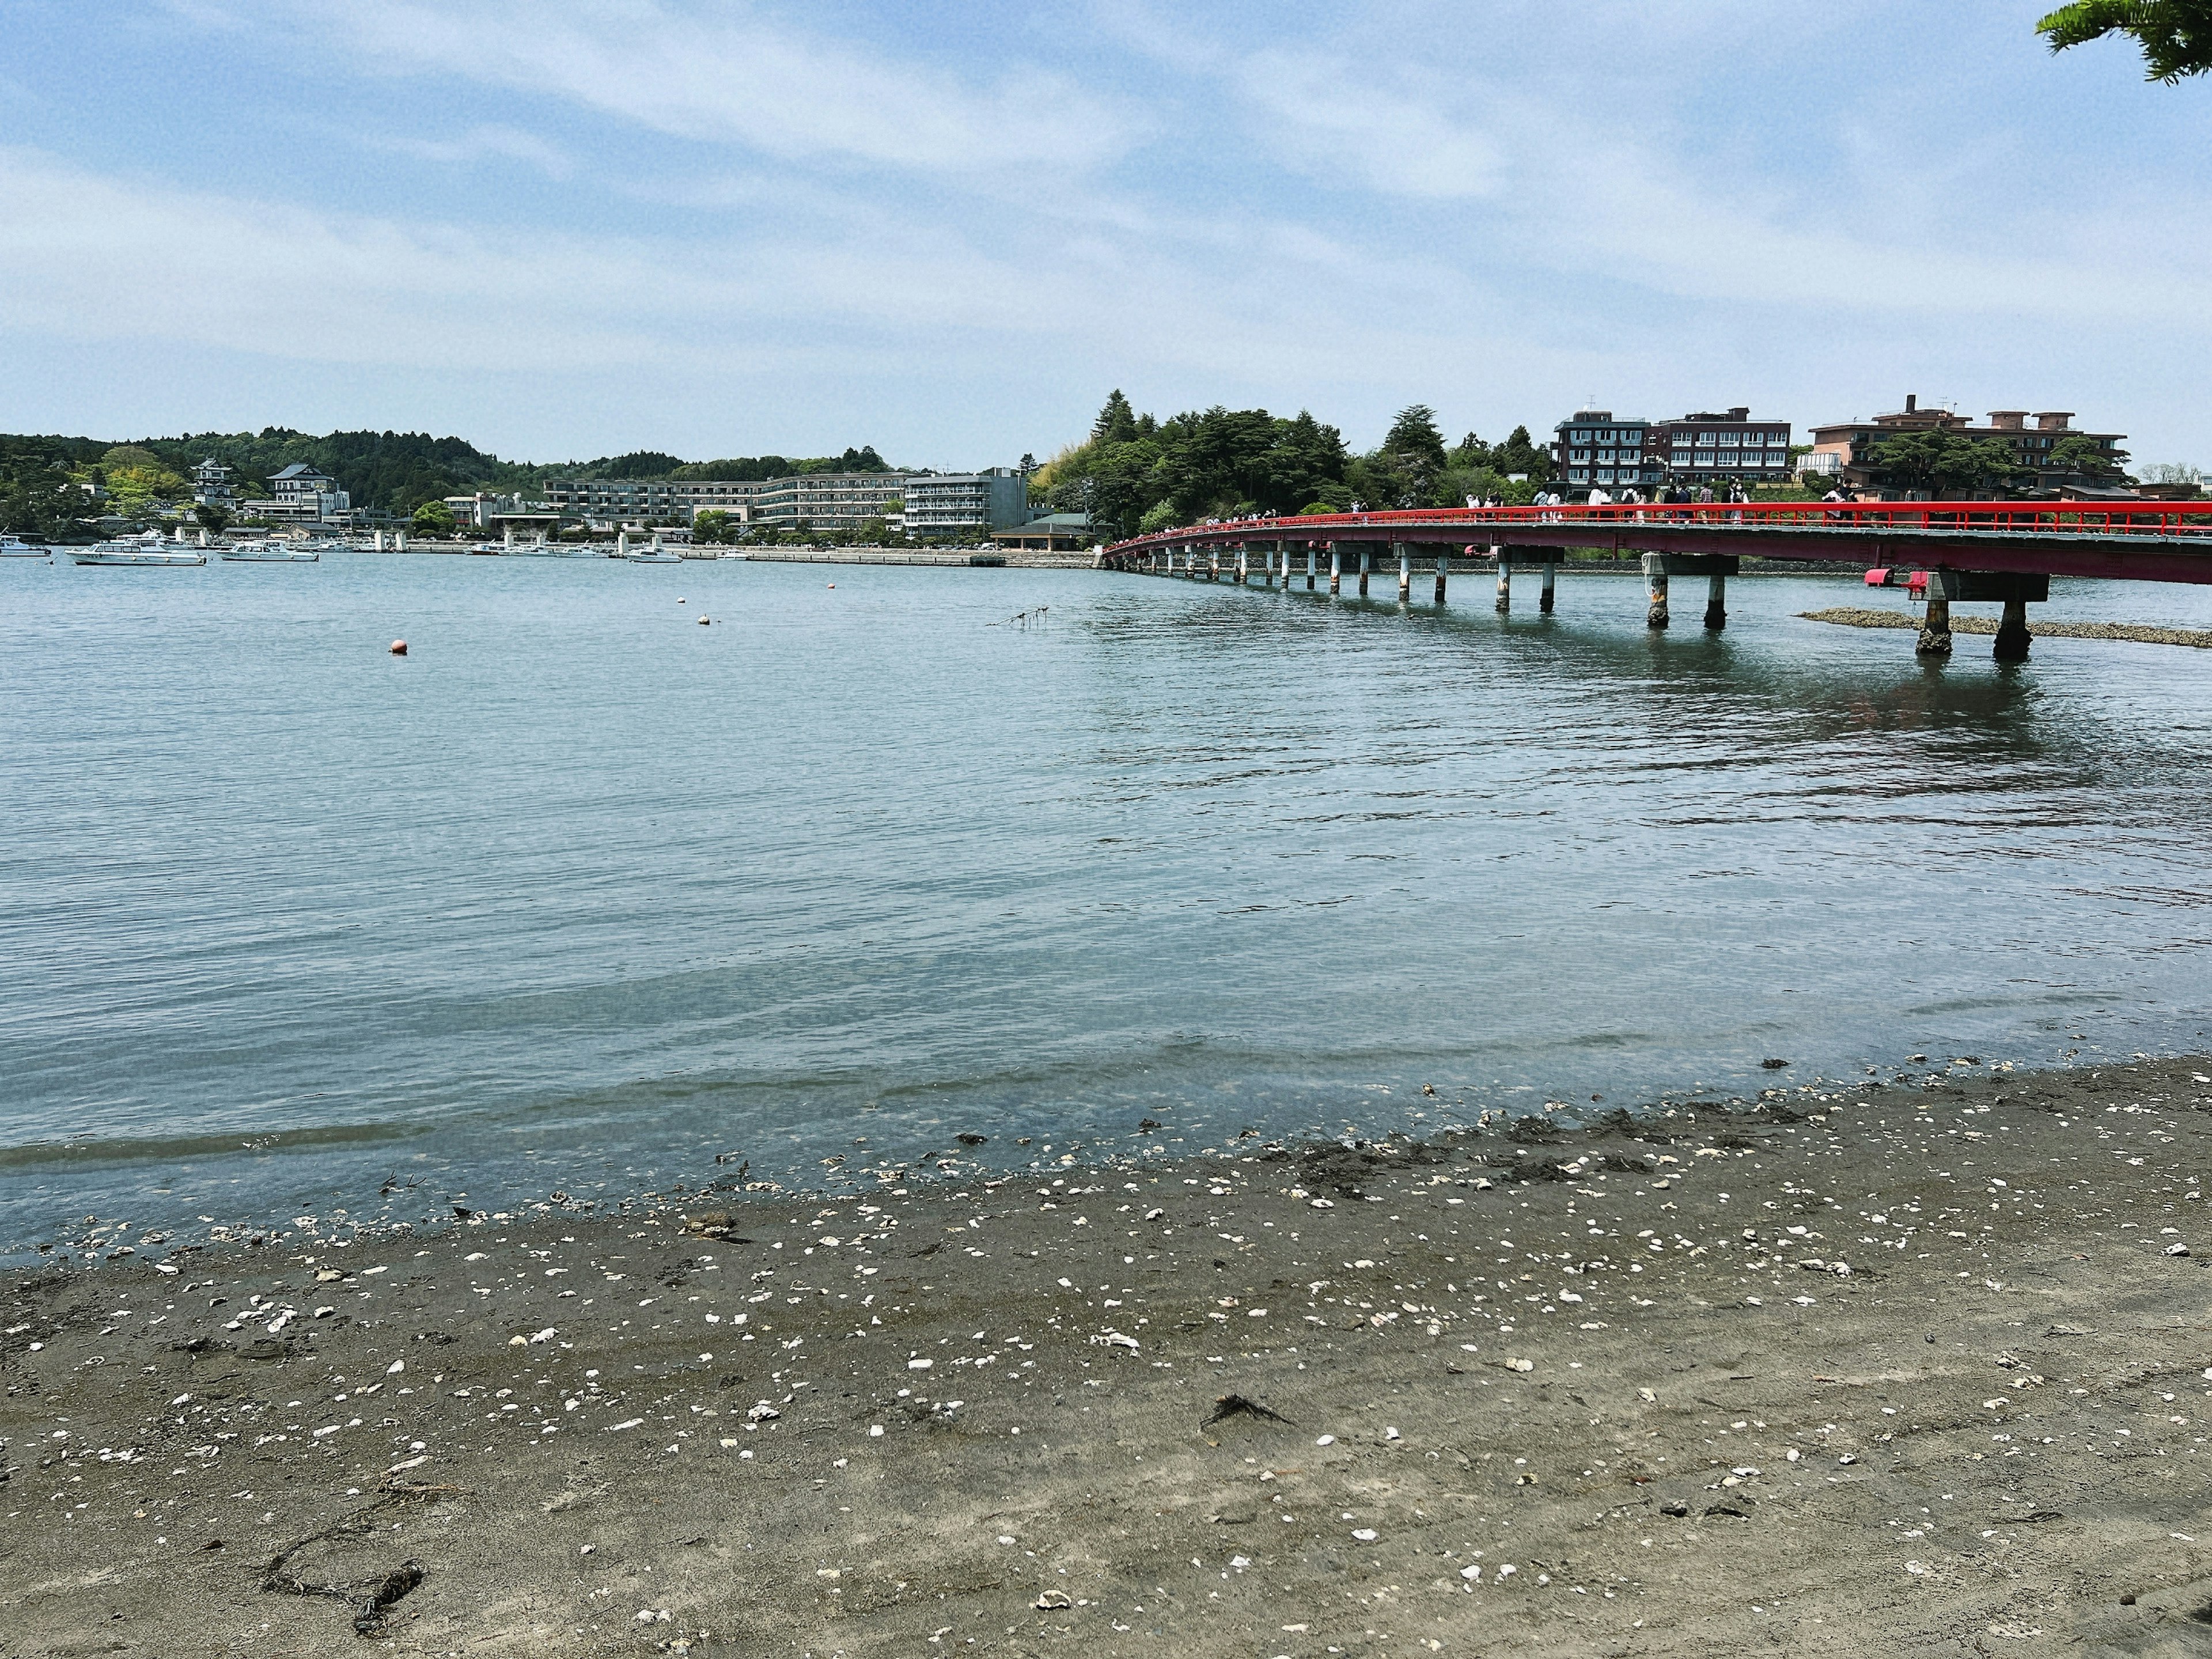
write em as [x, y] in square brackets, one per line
[1012, 560]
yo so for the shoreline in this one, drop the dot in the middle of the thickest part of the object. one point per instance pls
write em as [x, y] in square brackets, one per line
[1825, 1372]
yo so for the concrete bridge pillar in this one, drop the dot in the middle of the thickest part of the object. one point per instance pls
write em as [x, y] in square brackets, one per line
[1213, 561]
[1444, 563]
[1335, 567]
[1936, 626]
[1655, 588]
[1309, 567]
[1366, 565]
[1243, 564]
[1404, 572]
[1268, 576]
[1551, 580]
[1716, 602]
[2012, 632]
[1504, 579]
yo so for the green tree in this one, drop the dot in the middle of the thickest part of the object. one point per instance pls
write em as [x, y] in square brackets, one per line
[1939, 461]
[37, 500]
[1520, 453]
[715, 528]
[434, 518]
[214, 518]
[2175, 35]
[1408, 469]
[2078, 452]
[1116, 422]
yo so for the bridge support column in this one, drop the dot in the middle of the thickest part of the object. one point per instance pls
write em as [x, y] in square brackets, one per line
[1444, 563]
[1505, 580]
[1404, 572]
[1243, 564]
[2012, 632]
[1366, 565]
[1309, 567]
[1655, 588]
[1335, 567]
[1551, 580]
[1716, 602]
[1936, 626]
[1214, 562]
[1267, 573]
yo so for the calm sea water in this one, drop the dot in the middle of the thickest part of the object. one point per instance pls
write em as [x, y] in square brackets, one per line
[579, 893]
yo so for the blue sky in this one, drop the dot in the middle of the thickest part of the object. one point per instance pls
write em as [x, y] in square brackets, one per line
[574, 227]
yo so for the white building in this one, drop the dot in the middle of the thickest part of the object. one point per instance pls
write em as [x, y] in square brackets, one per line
[302, 494]
[211, 484]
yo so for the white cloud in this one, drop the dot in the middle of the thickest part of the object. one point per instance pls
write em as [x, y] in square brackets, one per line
[729, 75]
[96, 259]
[1388, 132]
[509, 143]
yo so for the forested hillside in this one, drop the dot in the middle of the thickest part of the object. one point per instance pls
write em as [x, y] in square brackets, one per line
[1135, 472]
[43, 478]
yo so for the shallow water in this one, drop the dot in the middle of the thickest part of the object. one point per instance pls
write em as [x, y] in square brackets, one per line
[579, 893]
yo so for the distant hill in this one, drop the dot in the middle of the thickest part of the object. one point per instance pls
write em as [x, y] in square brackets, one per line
[397, 471]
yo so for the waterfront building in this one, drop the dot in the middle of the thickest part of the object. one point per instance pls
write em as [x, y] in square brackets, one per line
[211, 485]
[833, 502]
[1056, 532]
[966, 503]
[1723, 448]
[1593, 450]
[648, 499]
[1850, 442]
[304, 494]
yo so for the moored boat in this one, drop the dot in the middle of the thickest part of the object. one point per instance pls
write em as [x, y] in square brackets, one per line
[270, 555]
[147, 549]
[10, 548]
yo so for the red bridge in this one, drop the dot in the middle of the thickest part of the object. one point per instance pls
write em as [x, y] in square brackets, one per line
[2002, 551]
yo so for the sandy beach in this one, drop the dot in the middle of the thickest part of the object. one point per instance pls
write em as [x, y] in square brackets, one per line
[1919, 1367]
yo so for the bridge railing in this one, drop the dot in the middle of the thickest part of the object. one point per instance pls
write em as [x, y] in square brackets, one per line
[2184, 520]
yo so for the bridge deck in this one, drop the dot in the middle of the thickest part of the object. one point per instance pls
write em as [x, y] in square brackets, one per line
[2165, 541]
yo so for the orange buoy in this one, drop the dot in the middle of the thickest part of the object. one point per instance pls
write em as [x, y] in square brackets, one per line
[399, 647]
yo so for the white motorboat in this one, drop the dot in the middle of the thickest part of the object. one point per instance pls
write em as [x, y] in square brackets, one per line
[10, 548]
[270, 554]
[147, 549]
[653, 555]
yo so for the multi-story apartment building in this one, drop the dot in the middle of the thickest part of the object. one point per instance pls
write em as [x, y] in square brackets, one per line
[1594, 450]
[1851, 441]
[1730, 447]
[832, 501]
[642, 500]
[966, 503]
